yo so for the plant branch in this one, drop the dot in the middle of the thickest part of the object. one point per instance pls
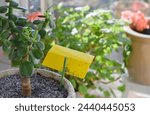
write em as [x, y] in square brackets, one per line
[112, 92]
[110, 81]
[64, 70]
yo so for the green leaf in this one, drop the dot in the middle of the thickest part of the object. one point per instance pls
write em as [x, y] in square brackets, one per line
[16, 30]
[13, 17]
[106, 93]
[122, 88]
[5, 35]
[22, 51]
[42, 33]
[37, 22]
[73, 83]
[13, 4]
[12, 24]
[35, 61]
[90, 96]
[6, 46]
[4, 23]
[3, 9]
[15, 62]
[21, 21]
[40, 45]
[37, 53]
[26, 68]
[83, 89]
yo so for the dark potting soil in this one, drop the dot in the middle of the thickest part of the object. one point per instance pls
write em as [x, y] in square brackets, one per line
[145, 31]
[42, 87]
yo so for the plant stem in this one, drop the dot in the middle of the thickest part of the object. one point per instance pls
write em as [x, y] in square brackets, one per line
[118, 78]
[25, 83]
[26, 86]
[64, 71]
[45, 23]
[112, 92]
[35, 34]
[10, 10]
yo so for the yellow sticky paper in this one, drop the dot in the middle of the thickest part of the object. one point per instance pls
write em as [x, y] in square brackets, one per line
[77, 62]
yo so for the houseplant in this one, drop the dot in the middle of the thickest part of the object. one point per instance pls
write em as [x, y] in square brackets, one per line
[95, 32]
[21, 38]
[138, 31]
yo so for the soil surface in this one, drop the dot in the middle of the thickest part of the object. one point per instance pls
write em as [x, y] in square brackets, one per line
[146, 31]
[42, 87]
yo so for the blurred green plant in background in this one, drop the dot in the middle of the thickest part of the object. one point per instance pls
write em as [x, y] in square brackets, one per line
[95, 32]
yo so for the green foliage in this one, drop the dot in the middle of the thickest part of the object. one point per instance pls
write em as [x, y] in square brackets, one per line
[106, 93]
[95, 32]
[83, 89]
[37, 53]
[3, 9]
[21, 39]
[73, 83]
[13, 3]
[122, 88]
[83, 29]
[42, 33]
[26, 68]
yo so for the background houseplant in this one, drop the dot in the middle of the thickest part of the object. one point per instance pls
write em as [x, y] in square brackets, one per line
[21, 38]
[95, 32]
[138, 31]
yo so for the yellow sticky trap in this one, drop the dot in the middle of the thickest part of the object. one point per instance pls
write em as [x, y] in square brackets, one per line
[77, 62]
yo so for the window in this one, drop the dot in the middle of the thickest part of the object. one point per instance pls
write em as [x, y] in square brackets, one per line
[34, 5]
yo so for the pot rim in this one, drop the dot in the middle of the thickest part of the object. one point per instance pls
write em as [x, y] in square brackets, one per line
[67, 84]
[129, 31]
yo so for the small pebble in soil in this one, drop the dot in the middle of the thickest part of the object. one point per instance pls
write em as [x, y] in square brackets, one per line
[42, 87]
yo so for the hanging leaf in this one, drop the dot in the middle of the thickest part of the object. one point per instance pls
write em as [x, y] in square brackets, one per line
[26, 68]
[5, 34]
[3, 9]
[4, 23]
[73, 83]
[22, 51]
[13, 17]
[21, 21]
[15, 60]
[13, 4]
[83, 89]
[106, 93]
[42, 33]
[12, 24]
[35, 61]
[6, 46]
[40, 45]
[122, 88]
[37, 53]
[37, 22]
